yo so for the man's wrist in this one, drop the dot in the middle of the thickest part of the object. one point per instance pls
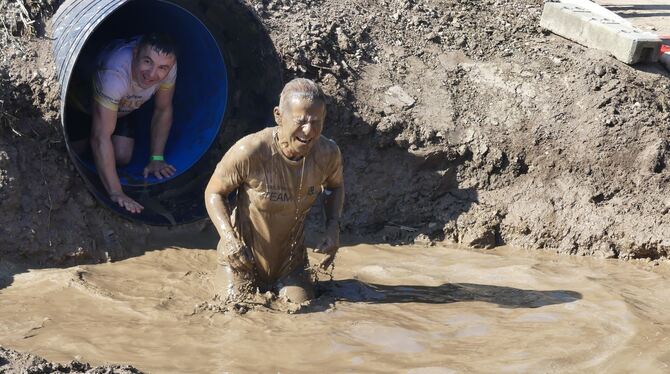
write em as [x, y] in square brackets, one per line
[156, 158]
[115, 193]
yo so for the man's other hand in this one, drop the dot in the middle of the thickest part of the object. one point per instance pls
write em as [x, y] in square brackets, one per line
[159, 169]
[239, 256]
[330, 245]
[125, 202]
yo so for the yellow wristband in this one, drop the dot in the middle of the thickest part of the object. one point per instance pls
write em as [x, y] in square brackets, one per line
[156, 158]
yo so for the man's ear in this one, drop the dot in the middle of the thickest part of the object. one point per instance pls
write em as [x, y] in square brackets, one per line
[277, 114]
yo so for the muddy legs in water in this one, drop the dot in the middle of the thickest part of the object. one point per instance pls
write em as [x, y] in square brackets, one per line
[296, 287]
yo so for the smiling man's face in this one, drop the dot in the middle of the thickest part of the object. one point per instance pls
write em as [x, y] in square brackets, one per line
[300, 125]
[150, 66]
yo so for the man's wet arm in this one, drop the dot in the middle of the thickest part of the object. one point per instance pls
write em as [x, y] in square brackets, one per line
[230, 173]
[334, 190]
[102, 128]
[217, 207]
[333, 203]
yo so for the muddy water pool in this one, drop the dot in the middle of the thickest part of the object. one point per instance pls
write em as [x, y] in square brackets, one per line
[404, 308]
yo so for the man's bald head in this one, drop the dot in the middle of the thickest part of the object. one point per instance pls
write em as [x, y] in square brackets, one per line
[300, 117]
[301, 88]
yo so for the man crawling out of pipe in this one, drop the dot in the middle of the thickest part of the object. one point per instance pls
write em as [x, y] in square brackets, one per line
[127, 74]
[278, 173]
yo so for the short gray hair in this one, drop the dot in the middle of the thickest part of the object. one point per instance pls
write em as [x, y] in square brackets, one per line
[302, 88]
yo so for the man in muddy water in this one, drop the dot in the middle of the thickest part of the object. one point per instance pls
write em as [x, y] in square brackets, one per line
[278, 173]
[128, 73]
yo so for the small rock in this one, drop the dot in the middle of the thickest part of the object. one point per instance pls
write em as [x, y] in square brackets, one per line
[423, 239]
[468, 135]
[599, 71]
[342, 39]
[461, 41]
[396, 96]
[433, 37]
[87, 200]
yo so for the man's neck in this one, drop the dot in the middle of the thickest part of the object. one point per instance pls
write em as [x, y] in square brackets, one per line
[290, 155]
[285, 150]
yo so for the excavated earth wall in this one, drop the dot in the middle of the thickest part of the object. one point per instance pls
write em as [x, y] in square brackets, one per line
[459, 119]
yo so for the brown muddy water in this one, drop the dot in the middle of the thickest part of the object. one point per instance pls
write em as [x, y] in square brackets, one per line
[389, 309]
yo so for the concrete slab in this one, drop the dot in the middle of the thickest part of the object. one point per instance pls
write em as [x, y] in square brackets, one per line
[597, 29]
[597, 9]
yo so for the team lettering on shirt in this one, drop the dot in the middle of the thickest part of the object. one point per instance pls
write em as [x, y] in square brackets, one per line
[283, 196]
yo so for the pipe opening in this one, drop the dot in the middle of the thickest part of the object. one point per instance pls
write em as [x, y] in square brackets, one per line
[200, 98]
[228, 80]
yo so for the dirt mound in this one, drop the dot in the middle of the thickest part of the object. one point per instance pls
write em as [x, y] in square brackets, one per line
[15, 362]
[459, 120]
[26, 17]
[465, 121]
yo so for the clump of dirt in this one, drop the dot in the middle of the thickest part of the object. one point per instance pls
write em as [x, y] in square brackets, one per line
[252, 301]
[13, 362]
[26, 17]
[459, 120]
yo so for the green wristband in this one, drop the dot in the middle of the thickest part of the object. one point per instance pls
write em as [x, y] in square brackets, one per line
[156, 158]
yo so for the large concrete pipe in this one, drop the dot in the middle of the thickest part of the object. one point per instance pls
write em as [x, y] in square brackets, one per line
[228, 80]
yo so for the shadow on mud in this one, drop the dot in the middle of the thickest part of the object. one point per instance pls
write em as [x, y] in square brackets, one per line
[352, 290]
[8, 270]
[640, 10]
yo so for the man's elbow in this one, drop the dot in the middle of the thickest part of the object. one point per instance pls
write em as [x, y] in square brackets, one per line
[163, 110]
[212, 194]
[213, 201]
[97, 140]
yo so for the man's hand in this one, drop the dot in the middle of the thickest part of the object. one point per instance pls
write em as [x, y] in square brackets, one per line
[238, 256]
[160, 169]
[330, 245]
[125, 202]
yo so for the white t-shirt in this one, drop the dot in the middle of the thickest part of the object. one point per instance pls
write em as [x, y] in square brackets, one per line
[113, 86]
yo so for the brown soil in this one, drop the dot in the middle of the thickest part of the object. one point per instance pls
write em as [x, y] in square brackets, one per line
[459, 120]
[13, 362]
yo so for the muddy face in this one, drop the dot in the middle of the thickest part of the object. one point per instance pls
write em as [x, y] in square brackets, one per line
[150, 66]
[300, 125]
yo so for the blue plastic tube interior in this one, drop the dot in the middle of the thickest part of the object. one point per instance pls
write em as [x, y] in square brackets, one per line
[201, 88]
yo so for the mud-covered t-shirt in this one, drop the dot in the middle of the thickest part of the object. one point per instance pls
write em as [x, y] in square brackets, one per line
[113, 86]
[275, 195]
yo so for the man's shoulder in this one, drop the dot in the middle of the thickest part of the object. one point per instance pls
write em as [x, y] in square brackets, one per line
[117, 55]
[327, 147]
[327, 154]
[113, 72]
[256, 143]
[261, 138]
